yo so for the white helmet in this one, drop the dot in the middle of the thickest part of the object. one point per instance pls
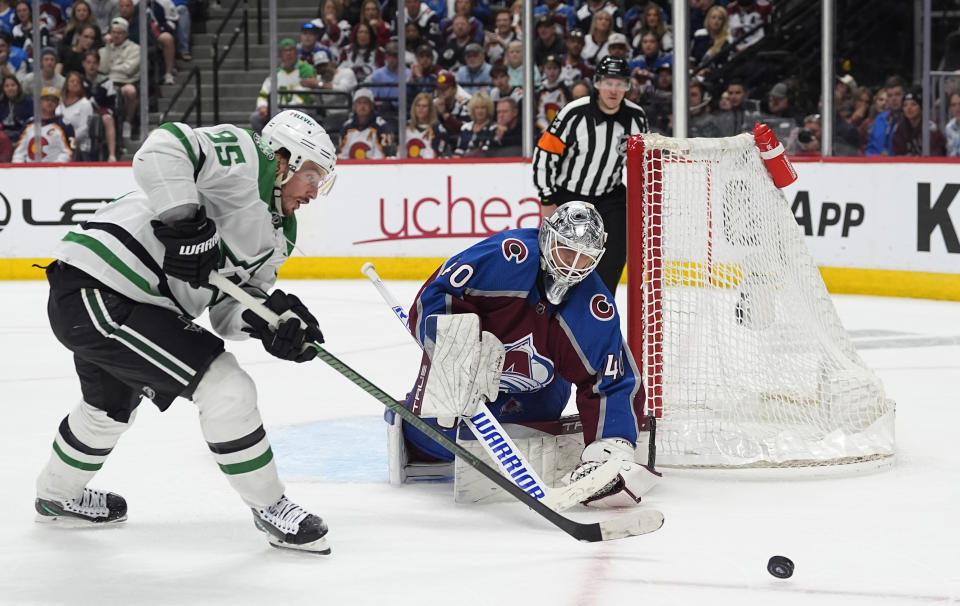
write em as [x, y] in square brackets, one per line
[305, 140]
[571, 244]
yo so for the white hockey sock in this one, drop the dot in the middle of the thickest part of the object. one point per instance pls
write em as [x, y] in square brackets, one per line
[83, 441]
[226, 398]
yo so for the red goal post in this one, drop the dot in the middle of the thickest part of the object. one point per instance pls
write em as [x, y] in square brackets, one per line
[743, 357]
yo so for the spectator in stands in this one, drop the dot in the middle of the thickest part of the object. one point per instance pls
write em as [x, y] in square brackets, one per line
[363, 55]
[881, 133]
[861, 106]
[580, 88]
[385, 79]
[292, 74]
[589, 8]
[908, 134]
[465, 9]
[551, 95]
[574, 67]
[120, 61]
[701, 122]
[698, 13]
[22, 31]
[161, 23]
[371, 15]
[952, 129]
[475, 135]
[503, 34]
[452, 105]
[423, 72]
[617, 46]
[16, 108]
[780, 117]
[80, 17]
[426, 20]
[653, 21]
[451, 55]
[184, 28]
[711, 44]
[330, 77]
[514, 63]
[645, 64]
[53, 13]
[76, 110]
[501, 88]
[48, 72]
[71, 57]
[309, 49]
[101, 92]
[425, 136]
[365, 136]
[844, 92]
[334, 29]
[806, 140]
[104, 12]
[13, 63]
[474, 75]
[562, 14]
[6, 148]
[7, 15]
[508, 134]
[55, 135]
[747, 20]
[595, 44]
[878, 105]
[548, 42]
[740, 117]
[660, 101]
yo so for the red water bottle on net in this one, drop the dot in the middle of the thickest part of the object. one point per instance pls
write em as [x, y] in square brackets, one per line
[773, 155]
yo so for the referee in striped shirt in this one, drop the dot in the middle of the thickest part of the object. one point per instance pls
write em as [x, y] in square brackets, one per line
[581, 156]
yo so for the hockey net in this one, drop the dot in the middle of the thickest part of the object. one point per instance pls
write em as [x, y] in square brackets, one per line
[745, 362]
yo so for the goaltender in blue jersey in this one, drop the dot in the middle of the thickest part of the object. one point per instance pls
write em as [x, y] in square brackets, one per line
[535, 292]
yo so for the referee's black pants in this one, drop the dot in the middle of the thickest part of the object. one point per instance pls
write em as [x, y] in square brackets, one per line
[612, 207]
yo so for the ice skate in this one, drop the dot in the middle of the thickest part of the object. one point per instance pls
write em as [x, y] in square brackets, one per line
[92, 507]
[289, 526]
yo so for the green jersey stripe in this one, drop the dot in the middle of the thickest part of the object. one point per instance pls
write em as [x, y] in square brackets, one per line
[176, 132]
[248, 466]
[100, 249]
[75, 463]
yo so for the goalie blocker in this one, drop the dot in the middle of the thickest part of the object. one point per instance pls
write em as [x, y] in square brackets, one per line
[552, 448]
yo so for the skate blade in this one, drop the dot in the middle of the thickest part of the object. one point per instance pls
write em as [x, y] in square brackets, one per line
[73, 522]
[319, 547]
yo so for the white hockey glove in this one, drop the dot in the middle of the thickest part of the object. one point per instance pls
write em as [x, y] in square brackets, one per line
[464, 368]
[634, 479]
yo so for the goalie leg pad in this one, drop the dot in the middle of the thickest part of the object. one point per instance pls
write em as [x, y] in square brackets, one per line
[226, 398]
[402, 469]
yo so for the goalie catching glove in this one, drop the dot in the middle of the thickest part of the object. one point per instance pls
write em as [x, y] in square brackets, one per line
[297, 330]
[633, 481]
[464, 367]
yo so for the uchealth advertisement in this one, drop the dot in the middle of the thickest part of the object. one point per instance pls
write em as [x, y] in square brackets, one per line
[892, 224]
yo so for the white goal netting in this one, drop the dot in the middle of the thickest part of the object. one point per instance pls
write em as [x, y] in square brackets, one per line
[745, 361]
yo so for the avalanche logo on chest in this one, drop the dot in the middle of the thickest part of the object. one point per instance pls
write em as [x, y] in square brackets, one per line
[524, 368]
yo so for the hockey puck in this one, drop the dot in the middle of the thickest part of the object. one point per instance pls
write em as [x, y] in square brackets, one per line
[780, 567]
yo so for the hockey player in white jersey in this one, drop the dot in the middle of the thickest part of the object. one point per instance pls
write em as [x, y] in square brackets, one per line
[128, 283]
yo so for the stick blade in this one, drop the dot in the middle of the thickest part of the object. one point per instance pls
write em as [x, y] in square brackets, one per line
[636, 523]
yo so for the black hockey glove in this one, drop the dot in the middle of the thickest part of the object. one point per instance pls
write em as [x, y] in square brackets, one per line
[192, 248]
[287, 342]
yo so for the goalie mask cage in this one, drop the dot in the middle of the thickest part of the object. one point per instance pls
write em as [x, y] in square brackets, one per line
[745, 362]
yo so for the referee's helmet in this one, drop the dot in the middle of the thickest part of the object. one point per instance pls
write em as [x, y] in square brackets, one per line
[612, 67]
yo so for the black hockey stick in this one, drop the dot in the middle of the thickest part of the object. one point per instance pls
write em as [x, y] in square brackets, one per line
[626, 525]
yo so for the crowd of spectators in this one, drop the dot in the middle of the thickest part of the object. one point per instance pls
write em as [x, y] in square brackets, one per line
[89, 54]
[466, 58]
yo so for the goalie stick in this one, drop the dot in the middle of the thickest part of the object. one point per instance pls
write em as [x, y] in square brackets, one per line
[629, 524]
[558, 499]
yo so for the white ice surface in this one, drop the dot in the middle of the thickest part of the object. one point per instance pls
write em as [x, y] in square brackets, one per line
[885, 538]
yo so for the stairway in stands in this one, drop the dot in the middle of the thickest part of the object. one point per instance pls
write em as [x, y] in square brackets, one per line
[238, 86]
